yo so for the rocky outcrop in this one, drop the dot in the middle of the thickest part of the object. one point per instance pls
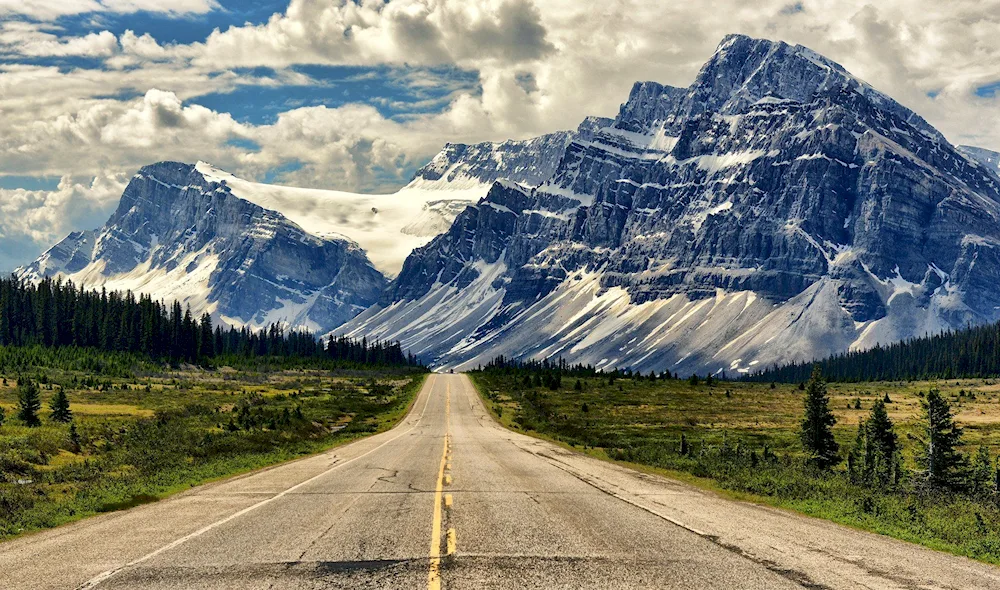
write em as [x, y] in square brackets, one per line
[528, 162]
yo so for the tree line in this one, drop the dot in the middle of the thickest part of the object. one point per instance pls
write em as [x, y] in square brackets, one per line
[970, 352]
[56, 313]
[504, 365]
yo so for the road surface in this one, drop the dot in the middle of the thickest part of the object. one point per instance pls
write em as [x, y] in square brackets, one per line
[449, 499]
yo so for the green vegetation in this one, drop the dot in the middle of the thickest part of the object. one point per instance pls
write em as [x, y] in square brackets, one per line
[970, 352]
[907, 444]
[818, 442]
[129, 436]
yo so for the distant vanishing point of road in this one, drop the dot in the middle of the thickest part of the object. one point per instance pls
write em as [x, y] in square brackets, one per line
[449, 499]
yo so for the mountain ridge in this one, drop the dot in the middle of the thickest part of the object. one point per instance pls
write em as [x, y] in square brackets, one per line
[376, 231]
[178, 235]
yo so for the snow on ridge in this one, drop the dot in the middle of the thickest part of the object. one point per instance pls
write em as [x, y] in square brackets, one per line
[387, 226]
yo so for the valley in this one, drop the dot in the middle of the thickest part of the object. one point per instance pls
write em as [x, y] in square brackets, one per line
[450, 499]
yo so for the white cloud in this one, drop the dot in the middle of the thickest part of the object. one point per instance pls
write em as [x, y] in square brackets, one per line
[425, 32]
[52, 9]
[33, 40]
[118, 135]
[30, 221]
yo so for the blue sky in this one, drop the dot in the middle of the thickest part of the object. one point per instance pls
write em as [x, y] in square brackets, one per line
[356, 94]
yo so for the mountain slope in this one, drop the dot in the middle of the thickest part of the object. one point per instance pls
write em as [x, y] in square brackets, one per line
[988, 158]
[777, 210]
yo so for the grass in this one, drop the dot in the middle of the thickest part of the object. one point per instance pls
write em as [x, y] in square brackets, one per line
[147, 435]
[728, 425]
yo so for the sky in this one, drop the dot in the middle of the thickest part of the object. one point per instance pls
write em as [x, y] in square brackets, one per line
[356, 94]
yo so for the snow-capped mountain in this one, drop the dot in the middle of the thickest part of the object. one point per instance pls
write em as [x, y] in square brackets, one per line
[253, 254]
[179, 234]
[987, 158]
[778, 209]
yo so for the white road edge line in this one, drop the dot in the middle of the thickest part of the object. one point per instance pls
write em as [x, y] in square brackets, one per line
[93, 582]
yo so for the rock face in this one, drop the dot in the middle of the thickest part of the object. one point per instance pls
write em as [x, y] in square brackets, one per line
[529, 162]
[987, 158]
[178, 235]
[776, 210]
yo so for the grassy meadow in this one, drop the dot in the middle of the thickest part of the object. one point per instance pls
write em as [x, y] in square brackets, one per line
[145, 433]
[743, 439]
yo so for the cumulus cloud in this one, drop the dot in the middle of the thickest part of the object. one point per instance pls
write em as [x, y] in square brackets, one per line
[35, 40]
[426, 32]
[31, 220]
[113, 134]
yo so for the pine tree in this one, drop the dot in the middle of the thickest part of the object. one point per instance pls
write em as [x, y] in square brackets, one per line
[982, 471]
[817, 433]
[882, 459]
[856, 457]
[60, 407]
[74, 437]
[943, 464]
[28, 402]
[206, 340]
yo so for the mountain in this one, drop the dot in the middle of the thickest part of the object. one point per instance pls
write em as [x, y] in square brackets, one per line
[180, 235]
[777, 210]
[987, 158]
[388, 227]
[253, 254]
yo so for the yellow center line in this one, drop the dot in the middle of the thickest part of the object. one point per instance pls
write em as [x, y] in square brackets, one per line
[434, 573]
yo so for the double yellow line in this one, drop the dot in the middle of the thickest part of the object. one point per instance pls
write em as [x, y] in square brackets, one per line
[440, 498]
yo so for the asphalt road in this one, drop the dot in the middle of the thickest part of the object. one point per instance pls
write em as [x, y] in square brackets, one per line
[448, 499]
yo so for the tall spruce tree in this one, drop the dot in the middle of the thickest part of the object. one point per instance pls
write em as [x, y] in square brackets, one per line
[74, 437]
[856, 456]
[981, 475]
[817, 426]
[60, 407]
[943, 464]
[28, 402]
[206, 340]
[881, 458]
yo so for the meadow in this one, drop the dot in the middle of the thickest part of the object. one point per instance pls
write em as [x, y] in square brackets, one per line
[141, 433]
[742, 439]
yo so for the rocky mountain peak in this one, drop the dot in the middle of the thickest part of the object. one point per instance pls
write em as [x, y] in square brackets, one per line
[178, 235]
[530, 161]
[777, 209]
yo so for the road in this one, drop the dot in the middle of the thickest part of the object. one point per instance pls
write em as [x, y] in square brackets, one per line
[449, 499]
